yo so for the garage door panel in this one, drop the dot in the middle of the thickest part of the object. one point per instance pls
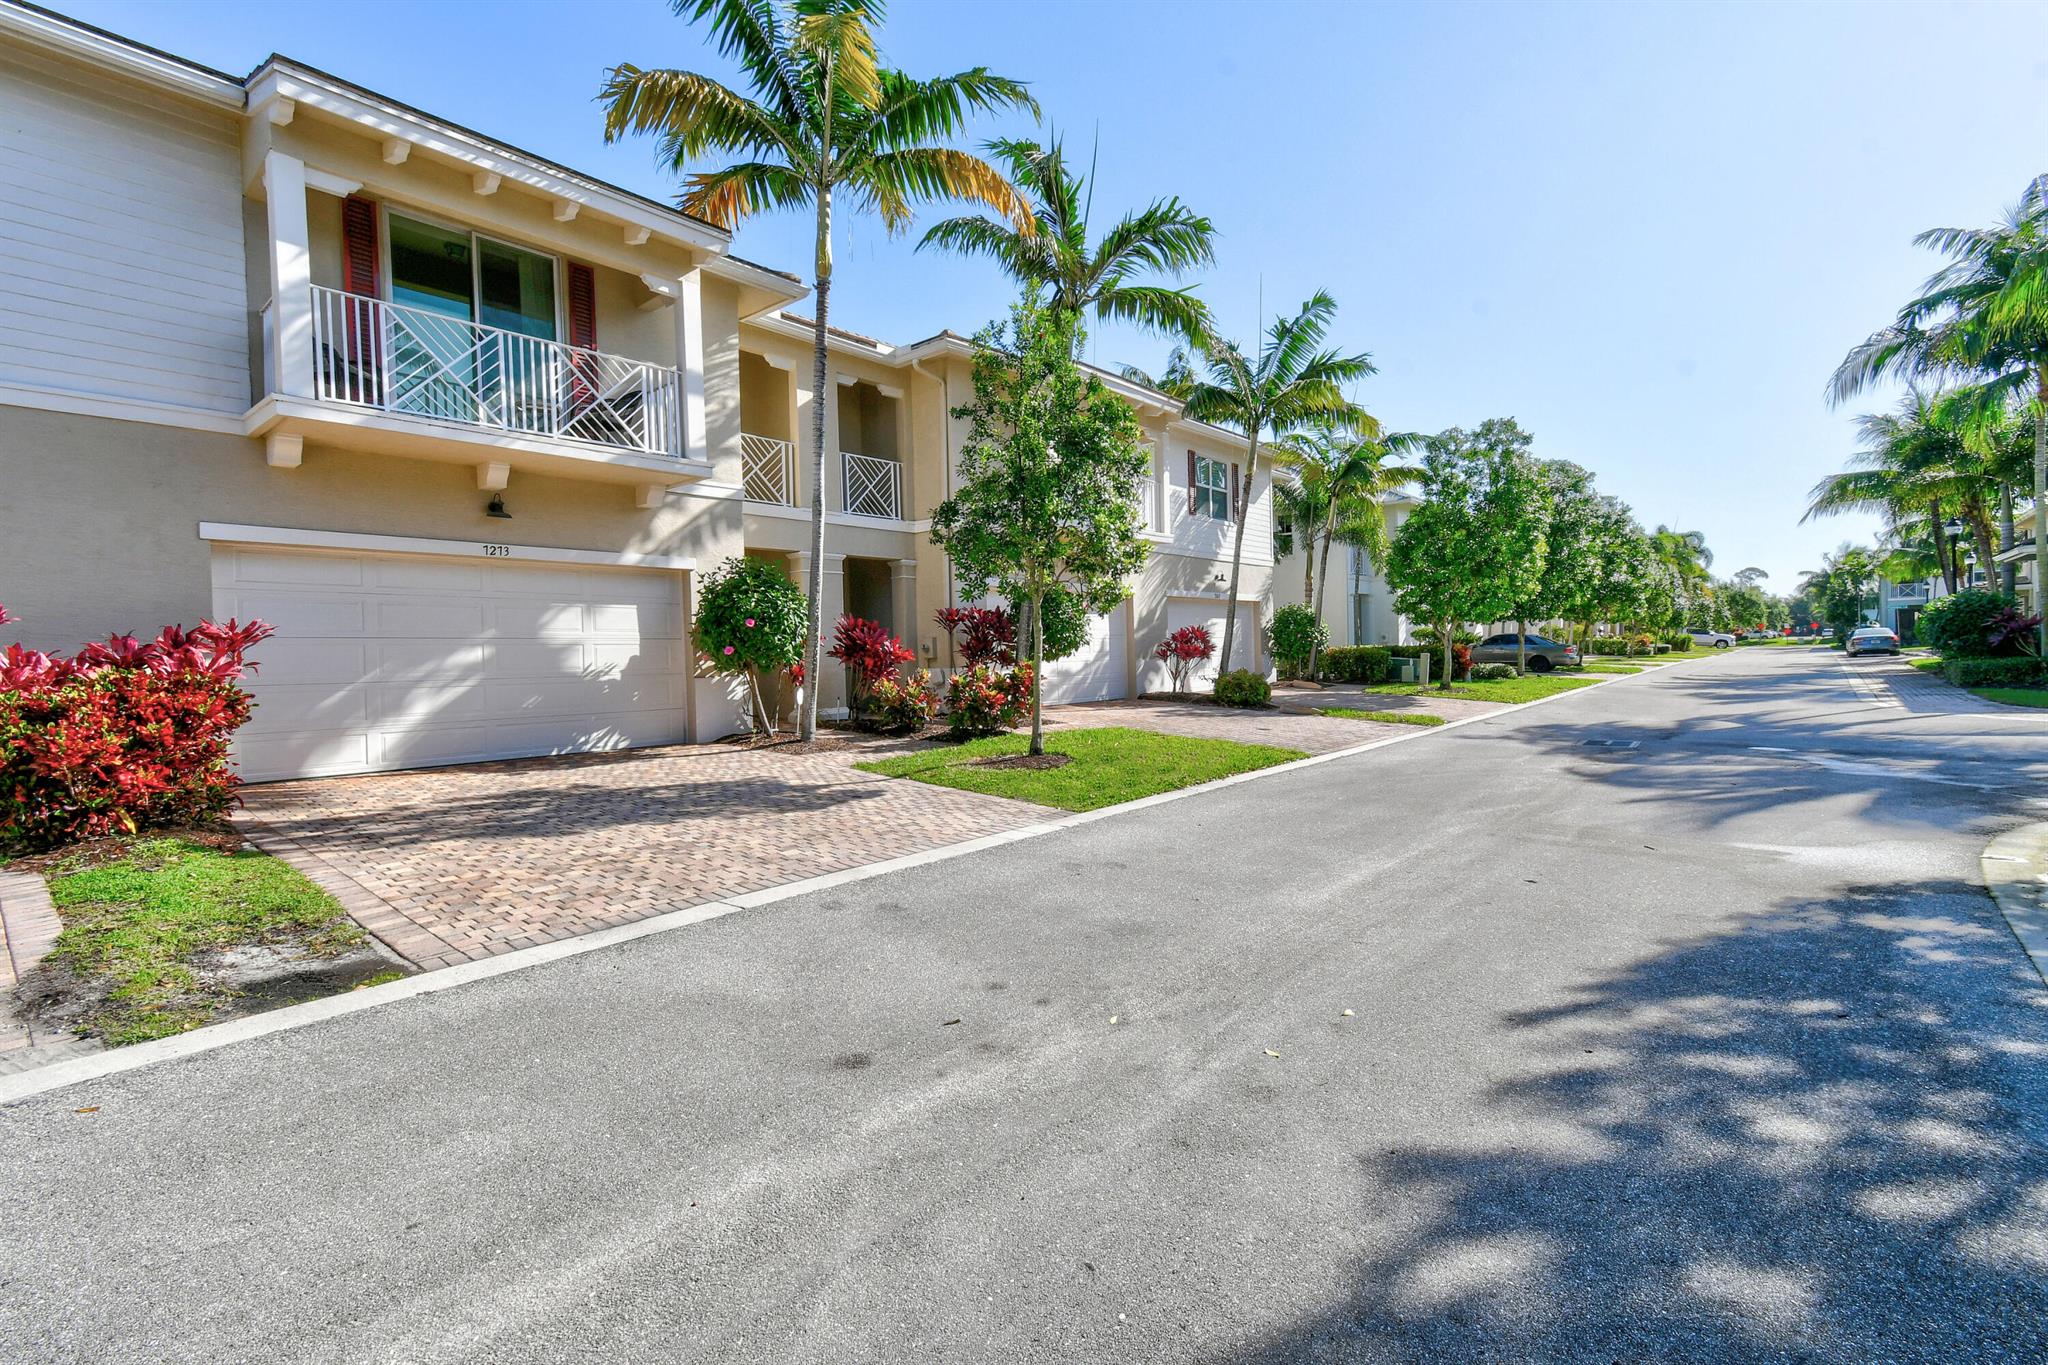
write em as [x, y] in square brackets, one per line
[426, 575]
[402, 661]
[1098, 670]
[309, 706]
[313, 616]
[426, 617]
[312, 661]
[266, 566]
[386, 661]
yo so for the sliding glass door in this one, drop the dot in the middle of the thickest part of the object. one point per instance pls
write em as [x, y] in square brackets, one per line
[444, 364]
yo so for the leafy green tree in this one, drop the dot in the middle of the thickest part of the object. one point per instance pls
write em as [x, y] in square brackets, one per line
[750, 620]
[825, 124]
[1293, 381]
[1047, 497]
[1474, 547]
[1054, 258]
[1574, 520]
[1982, 318]
[1843, 588]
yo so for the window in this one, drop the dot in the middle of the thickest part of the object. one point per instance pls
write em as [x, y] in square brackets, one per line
[1210, 496]
[473, 278]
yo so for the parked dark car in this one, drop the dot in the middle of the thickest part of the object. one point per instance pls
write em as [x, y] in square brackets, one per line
[1544, 654]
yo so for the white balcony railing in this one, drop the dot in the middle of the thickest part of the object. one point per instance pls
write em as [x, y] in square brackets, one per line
[768, 469]
[874, 486]
[394, 358]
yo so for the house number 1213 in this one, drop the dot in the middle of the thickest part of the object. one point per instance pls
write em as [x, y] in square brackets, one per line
[497, 552]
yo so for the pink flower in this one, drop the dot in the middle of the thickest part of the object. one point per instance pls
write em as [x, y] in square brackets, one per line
[728, 649]
[750, 623]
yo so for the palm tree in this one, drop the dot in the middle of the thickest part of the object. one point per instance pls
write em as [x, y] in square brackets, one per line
[1686, 555]
[1983, 317]
[1291, 384]
[1053, 259]
[825, 120]
[1351, 475]
[1300, 502]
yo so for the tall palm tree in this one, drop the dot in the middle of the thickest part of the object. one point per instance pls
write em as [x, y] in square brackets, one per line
[1054, 260]
[1300, 502]
[1982, 317]
[1913, 466]
[1293, 382]
[1352, 474]
[1686, 556]
[824, 120]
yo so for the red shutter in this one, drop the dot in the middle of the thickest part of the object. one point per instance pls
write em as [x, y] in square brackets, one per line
[1191, 483]
[358, 378]
[583, 333]
[359, 246]
[1236, 496]
[582, 307]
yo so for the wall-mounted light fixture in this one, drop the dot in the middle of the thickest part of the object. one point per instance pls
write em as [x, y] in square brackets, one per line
[496, 507]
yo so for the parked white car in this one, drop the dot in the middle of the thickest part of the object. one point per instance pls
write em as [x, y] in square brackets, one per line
[1871, 640]
[1712, 639]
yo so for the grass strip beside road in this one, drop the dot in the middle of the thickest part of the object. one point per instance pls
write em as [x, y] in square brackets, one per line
[135, 925]
[2013, 696]
[1529, 687]
[1385, 717]
[1105, 767]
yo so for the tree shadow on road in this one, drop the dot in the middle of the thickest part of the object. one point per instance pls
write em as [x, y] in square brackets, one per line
[1822, 1137]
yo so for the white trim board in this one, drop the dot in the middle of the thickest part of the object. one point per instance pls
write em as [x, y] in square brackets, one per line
[297, 538]
[118, 409]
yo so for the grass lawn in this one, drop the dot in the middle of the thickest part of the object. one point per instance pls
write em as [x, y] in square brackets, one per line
[1385, 717]
[1529, 687]
[2014, 696]
[134, 926]
[1930, 665]
[1605, 667]
[1107, 766]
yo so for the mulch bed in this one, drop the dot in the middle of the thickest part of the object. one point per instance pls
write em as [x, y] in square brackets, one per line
[1034, 761]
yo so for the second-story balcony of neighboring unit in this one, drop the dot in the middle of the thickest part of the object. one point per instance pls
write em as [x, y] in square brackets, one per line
[873, 486]
[1906, 592]
[404, 380]
[768, 467]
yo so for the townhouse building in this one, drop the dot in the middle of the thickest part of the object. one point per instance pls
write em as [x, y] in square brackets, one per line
[465, 425]
[1358, 602]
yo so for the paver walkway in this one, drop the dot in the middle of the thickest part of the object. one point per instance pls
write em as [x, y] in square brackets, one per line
[446, 865]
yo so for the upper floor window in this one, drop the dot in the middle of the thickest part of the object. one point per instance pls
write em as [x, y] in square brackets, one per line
[471, 277]
[1209, 494]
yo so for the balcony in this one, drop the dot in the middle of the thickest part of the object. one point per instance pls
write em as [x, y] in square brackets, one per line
[768, 469]
[409, 381]
[873, 486]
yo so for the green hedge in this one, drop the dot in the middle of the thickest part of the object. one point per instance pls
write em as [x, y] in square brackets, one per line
[1242, 687]
[2025, 671]
[1678, 640]
[1366, 664]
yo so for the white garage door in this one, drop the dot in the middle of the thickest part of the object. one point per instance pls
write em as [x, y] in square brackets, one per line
[404, 661]
[1096, 672]
[1192, 612]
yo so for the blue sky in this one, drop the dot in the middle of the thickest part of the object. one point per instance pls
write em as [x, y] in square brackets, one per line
[1648, 232]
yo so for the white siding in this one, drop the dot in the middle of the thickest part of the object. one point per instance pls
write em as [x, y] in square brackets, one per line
[1207, 537]
[121, 263]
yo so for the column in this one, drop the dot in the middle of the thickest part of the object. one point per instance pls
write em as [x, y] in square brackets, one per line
[291, 274]
[690, 365]
[831, 606]
[903, 606]
[1162, 481]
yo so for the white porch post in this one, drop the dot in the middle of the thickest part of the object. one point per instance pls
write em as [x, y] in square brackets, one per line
[291, 273]
[690, 363]
[1162, 481]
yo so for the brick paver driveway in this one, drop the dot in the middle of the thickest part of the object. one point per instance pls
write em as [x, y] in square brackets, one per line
[450, 864]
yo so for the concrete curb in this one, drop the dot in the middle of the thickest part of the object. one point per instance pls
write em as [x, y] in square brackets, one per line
[2016, 873]
[57, 1075]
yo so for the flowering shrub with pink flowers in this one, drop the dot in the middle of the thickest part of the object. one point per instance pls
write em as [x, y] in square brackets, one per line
[121, 735]
[751, 620]
[986, 699]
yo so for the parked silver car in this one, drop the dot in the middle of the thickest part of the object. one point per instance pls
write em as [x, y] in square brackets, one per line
[1544, 654]
[1712, 639]
[1871, 640]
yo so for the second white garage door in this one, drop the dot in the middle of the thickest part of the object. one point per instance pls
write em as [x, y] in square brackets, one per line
[404, 661]
[1097, 671]
[1192, 611]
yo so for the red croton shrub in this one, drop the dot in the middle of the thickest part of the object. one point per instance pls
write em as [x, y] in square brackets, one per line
[983, 635]
[870, 653]
[122, 735]
[1182, 651]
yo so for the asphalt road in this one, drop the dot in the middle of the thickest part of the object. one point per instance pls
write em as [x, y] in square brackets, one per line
[1710, 1049]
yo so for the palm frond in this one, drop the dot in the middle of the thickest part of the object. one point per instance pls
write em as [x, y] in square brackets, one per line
[751, 33]
[891, 183]
[732, 194]
[690, 114]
